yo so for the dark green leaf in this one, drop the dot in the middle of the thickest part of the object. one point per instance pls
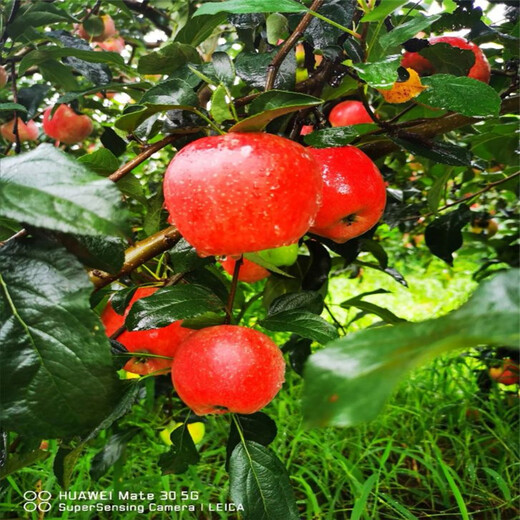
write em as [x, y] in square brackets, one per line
[182, 454]
[9, 107]
[224, 68]
[443, 236]
[444, 153]
[184, 257]
[199, 29]
[257, 427]
[16, 461]
[168, 59]
[379, 74]
[406, 30]
[311, 301]
[338, 136]
[58, 74]
[436, 192]
[47, 188]
[273, 104]
[220, 110]
[252, 68]
[377, 251]
[371, 308]
[113, 142]
[32, 97]
[94, 25]
[64, 463]
[299, 350]
[111, 453]
[321, 33]
[259, 481]
[464, 95]
[447, 59]
[304, 323]
[317, 273]
[54, 354]
[349, 381]
[170, 304]
[102, 161]
[250, 6]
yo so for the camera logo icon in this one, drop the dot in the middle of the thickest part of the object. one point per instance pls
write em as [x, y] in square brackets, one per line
[37, 501]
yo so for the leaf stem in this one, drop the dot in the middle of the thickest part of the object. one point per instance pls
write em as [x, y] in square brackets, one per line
[233, 290]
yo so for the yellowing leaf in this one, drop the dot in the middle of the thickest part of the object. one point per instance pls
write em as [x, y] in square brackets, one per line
[403, 91]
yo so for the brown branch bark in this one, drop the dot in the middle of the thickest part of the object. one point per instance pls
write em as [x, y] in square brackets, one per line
[138, 254]
[430, 128]
[272, 69]
[151, 13]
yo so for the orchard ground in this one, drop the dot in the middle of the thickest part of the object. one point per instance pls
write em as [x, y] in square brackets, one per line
[438, 439]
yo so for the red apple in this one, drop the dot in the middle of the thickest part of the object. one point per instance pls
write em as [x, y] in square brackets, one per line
[242, 192]
[227, 368]
[164, 341]
[109, 30]
[349, 113]
[354, 193]
[26, 131]
[306, 129]
[3, 77]
[507, 373]
[116, 44]
[249, 271]
[66, 126]
[480, 69]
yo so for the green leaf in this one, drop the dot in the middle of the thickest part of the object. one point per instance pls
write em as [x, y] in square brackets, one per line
[436, 192]
[168, 59]
[252, 68]
[102, 161]
[311, 301]
[223, 67]
[379, 74]
[260, 260]
[220, 111]
[443, 236]
[53, 52]
[406, 30]
[272, 104]
[47, 188]
[250, 6]
[338, 136]
[94, 26]
[184, 257]
[461, 94]
[383, 10]
[170, 304]
[182, 454]
[277, 28]
[199, 29]
[349, 381]
[371, 308]
[57, 377]
[259, 481]
[59, 74]
[303, 323]
[171, 94]
[441, 152]
[447, 59]
[64, 462]
[9, 107]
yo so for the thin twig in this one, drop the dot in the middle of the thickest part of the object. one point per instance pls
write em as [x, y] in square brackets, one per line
[272, 69]
[18, 234]
[486, 188]
[334, 319]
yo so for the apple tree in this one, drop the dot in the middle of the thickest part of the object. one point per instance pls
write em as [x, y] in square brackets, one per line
[150, 147]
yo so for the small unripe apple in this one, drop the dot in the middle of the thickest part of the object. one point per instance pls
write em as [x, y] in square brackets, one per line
[349, 113]
[109, 30]
[163, 342]
[480, 69]
[354, 193]
[195, 429]
[280, 256]
[227, 368]
[249, 271]
[507, 373]
[3, 77]
[242, 192]
[116, 44]
[66, 126]
[26, 131]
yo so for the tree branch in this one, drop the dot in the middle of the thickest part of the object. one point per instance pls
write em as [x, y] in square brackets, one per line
[151, 13]
[138, 254]
[273, 67]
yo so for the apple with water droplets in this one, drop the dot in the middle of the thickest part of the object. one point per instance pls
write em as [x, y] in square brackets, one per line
[354, 193]
[227, 368]
[242, 192]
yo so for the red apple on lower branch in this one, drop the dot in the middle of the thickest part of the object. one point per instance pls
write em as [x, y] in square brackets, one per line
[249, 271]
[162, 342]
[26, 131]
[354, 193]
[66, 126]
[227, 368]
[242, 192]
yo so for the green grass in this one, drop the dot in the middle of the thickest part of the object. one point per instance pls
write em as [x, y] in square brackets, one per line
[440, 449]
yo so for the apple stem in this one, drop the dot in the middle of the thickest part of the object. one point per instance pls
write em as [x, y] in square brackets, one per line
[233, 290]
